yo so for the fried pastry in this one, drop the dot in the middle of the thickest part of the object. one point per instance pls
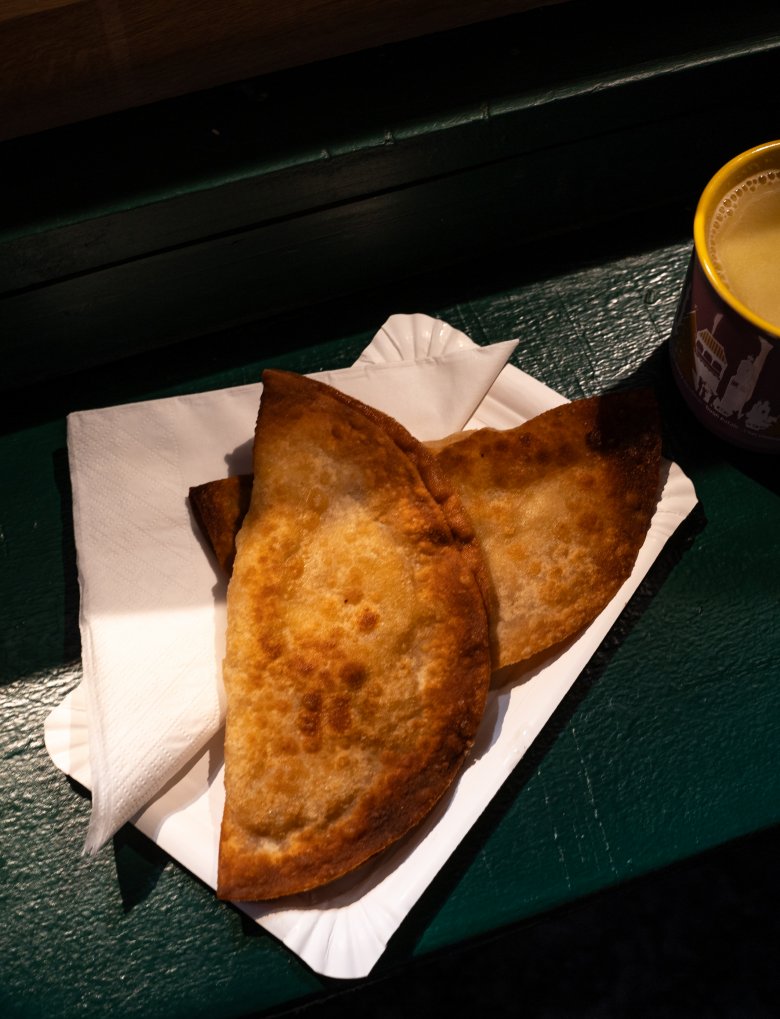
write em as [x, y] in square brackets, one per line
[561, 505]
[219, 508]
[357, 661]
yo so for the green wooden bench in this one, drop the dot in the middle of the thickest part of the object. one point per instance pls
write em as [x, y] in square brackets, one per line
[531, 177]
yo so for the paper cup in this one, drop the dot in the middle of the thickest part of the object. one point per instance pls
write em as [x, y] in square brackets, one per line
[725, 354]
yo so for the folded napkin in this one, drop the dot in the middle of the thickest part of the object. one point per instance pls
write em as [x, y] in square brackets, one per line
[342, 929]
[152, 606]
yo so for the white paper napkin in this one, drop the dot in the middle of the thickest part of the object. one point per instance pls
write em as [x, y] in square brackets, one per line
[152, 605]
[341, 930]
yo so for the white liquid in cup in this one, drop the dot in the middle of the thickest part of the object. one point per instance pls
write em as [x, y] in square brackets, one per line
[744, 243]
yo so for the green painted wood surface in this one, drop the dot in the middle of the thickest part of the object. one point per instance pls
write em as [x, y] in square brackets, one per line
[667, 745]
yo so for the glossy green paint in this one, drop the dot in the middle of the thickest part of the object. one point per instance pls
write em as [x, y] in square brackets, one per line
[666, 746]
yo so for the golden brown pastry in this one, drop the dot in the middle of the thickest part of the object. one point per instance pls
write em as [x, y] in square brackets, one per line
[357, 660]
[561, 505]
[219, 508]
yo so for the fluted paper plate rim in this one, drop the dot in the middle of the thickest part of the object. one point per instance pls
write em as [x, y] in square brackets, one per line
[341, 931]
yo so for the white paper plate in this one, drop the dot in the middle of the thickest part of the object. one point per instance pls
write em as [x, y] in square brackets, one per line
[342, 930]
[412, 338]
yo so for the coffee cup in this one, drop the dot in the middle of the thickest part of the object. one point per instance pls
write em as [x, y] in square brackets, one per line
[725, 342]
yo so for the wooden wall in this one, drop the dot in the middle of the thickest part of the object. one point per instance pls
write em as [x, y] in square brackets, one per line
[63, 61]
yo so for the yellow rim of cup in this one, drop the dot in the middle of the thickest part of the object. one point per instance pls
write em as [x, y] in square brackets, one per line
[733, 173]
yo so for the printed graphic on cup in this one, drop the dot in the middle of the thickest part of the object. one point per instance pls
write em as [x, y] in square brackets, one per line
[725, 344]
